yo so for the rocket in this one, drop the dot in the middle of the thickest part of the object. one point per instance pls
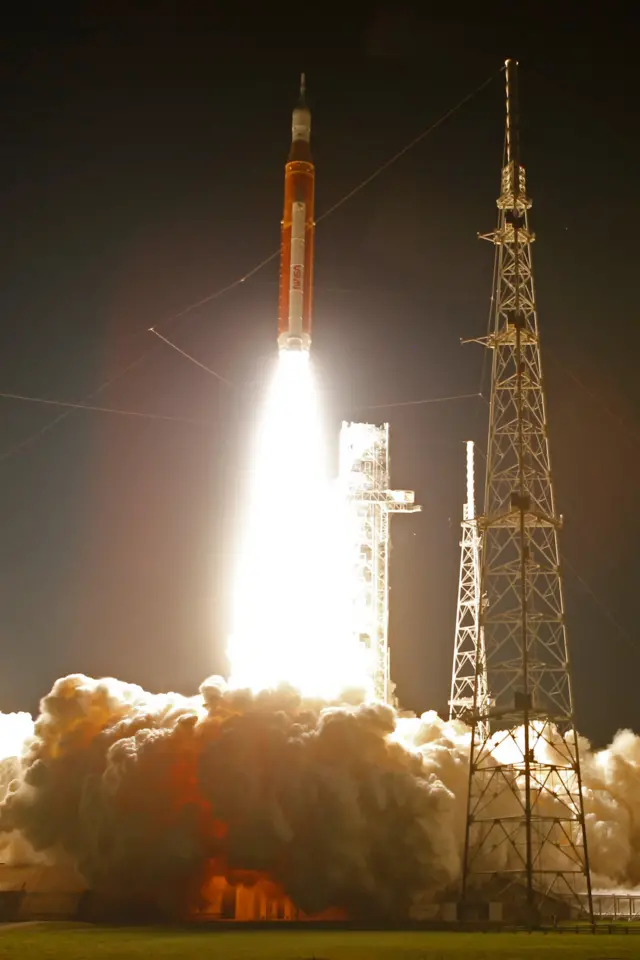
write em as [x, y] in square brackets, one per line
[295, 300]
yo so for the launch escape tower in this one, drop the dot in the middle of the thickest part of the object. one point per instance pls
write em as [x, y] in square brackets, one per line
[468, 641]
[525, 827]
[364, 475]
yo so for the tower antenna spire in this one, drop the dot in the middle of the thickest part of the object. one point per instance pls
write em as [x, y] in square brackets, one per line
[513, 128]
[525, 834]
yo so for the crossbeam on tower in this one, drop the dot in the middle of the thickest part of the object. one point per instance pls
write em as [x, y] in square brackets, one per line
[364, 476]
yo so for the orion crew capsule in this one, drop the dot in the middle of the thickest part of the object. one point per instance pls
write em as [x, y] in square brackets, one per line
[295, 302]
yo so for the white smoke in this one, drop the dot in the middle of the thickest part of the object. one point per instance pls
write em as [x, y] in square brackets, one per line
[16, 732]
[346, 806]
[611, 780]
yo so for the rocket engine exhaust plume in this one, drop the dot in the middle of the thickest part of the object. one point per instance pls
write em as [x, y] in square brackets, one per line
[293, 586]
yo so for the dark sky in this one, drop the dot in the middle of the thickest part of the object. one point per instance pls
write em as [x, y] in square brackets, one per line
[141, 163]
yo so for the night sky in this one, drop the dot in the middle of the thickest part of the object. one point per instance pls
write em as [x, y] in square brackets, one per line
[141, 165]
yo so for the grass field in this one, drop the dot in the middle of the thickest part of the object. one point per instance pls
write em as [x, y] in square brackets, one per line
[68, 942]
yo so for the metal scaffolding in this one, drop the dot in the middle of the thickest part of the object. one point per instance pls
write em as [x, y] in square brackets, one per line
[525, 819]
[468, 642]
[364, 477]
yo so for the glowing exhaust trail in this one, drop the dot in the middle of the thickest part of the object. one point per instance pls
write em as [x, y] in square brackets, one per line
[291, 622]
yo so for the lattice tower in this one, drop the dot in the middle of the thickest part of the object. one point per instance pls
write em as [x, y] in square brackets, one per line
[525, 820]
[468, 640]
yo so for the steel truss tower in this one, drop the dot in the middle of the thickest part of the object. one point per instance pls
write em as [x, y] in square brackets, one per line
[525, 818]
[364, 477]
[468, 642]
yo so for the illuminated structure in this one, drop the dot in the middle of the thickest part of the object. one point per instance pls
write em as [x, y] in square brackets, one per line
[525, 826]
[468, 642]
[364, 479]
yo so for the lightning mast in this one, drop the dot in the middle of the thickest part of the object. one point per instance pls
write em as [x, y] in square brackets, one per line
[525, 826]
[468, 641]
[364, 471]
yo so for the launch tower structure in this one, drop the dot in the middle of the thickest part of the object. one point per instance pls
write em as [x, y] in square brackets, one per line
[525, 827]
[364, 474]
[468, 641]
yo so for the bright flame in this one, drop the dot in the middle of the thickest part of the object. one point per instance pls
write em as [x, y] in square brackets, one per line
[291, 605]
[15, 730]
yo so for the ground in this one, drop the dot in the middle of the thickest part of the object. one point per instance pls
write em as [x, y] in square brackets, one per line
[77, 942]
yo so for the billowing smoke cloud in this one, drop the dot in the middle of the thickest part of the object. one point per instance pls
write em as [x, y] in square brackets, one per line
[149, 795]
[612, 807]
[340, 806]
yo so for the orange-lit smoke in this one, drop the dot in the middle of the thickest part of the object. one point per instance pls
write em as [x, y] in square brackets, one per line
[278, 802]
[265, 806]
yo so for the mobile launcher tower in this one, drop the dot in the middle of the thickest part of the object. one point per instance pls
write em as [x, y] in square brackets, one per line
[364, 470]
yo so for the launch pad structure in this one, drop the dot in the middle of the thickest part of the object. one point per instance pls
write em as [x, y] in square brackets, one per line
[525, 831]
[364, 476]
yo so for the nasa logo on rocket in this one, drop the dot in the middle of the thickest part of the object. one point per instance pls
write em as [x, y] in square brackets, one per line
[295, 302]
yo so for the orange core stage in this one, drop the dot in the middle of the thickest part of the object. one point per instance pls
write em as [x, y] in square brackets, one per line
[295, 303]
